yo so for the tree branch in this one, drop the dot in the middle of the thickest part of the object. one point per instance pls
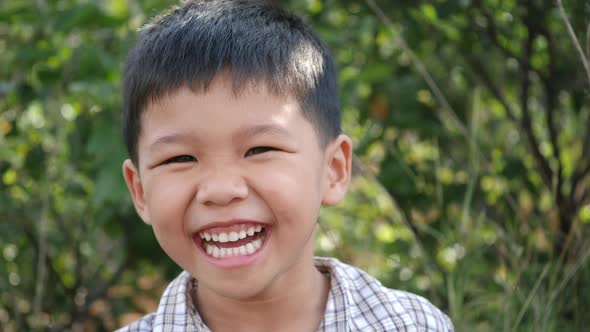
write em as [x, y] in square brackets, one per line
[48, 260]
[525, 120]
[585, 197]
[583, 168]
[574, 39]
[422, 70]
[490, 31]
[100, 291]
[524, 123]
[481, 75]
[431, 264]
[477, 70]
[578, 176]
[550, 107]
[96, 293]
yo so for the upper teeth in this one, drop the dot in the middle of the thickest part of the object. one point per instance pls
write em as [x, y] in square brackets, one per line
[231, 236]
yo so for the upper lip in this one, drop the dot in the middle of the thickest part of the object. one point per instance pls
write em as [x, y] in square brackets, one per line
[228, 223]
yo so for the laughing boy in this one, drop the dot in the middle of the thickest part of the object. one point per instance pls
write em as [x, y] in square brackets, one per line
[232, 123]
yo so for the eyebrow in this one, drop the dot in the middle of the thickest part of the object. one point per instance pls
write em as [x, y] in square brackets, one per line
[244, 132]
[260, 130]
[175, 138]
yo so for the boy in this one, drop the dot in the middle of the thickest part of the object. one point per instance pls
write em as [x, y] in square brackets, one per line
[232, 124]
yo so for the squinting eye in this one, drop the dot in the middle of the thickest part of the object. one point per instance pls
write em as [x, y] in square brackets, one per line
[259, 150]
[180, 159]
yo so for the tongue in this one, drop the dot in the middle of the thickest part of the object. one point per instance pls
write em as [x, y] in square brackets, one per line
[237, 243]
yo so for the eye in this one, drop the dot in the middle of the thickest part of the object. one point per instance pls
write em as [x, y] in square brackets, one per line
[180, 159]
[259, 150]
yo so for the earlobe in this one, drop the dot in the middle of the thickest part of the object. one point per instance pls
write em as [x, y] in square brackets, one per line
[339, 168]
[131, 174]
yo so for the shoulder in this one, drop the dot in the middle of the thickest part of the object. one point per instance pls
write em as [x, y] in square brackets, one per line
[143, 324]
[370, 304]
[175, 309]
[418, 310]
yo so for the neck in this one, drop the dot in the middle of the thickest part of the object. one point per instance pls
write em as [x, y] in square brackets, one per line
[294, 301]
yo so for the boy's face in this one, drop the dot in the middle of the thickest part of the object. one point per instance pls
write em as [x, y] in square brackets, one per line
[246, 173]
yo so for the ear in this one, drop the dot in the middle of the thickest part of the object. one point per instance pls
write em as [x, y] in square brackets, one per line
[338, 169]
[135, 187]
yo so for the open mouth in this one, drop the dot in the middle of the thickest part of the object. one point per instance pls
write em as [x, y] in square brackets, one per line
[244, 241]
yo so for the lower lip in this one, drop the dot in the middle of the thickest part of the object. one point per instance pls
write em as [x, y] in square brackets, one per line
[234, 261]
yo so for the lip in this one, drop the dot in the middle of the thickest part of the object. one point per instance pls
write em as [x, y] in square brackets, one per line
[233, 261]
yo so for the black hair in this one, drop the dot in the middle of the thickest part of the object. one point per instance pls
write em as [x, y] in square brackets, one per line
[255, 42]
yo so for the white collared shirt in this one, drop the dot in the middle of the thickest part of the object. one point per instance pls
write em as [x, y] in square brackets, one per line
[356, 302]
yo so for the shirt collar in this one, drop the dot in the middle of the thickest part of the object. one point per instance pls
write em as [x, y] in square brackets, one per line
[337, 313]
[177, 307]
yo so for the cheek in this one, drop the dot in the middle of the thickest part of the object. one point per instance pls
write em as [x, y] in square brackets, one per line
[169, 197]
[291, 191]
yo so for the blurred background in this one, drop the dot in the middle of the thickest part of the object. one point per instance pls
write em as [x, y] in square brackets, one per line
[471, 124]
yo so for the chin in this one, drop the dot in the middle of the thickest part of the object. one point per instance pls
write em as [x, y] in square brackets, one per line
[243, 292]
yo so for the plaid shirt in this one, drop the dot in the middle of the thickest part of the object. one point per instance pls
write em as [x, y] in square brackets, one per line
[356, 302]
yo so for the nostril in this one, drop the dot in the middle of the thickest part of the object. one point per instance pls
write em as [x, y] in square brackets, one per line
[217, 191]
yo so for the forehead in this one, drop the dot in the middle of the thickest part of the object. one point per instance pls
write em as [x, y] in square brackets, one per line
[221, 110]
[221, 98]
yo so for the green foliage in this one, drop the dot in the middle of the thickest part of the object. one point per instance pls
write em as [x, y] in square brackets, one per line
[471, 123]
[487, 174]
[69, 231]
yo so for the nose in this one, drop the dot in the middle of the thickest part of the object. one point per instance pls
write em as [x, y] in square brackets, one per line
[221, 187]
